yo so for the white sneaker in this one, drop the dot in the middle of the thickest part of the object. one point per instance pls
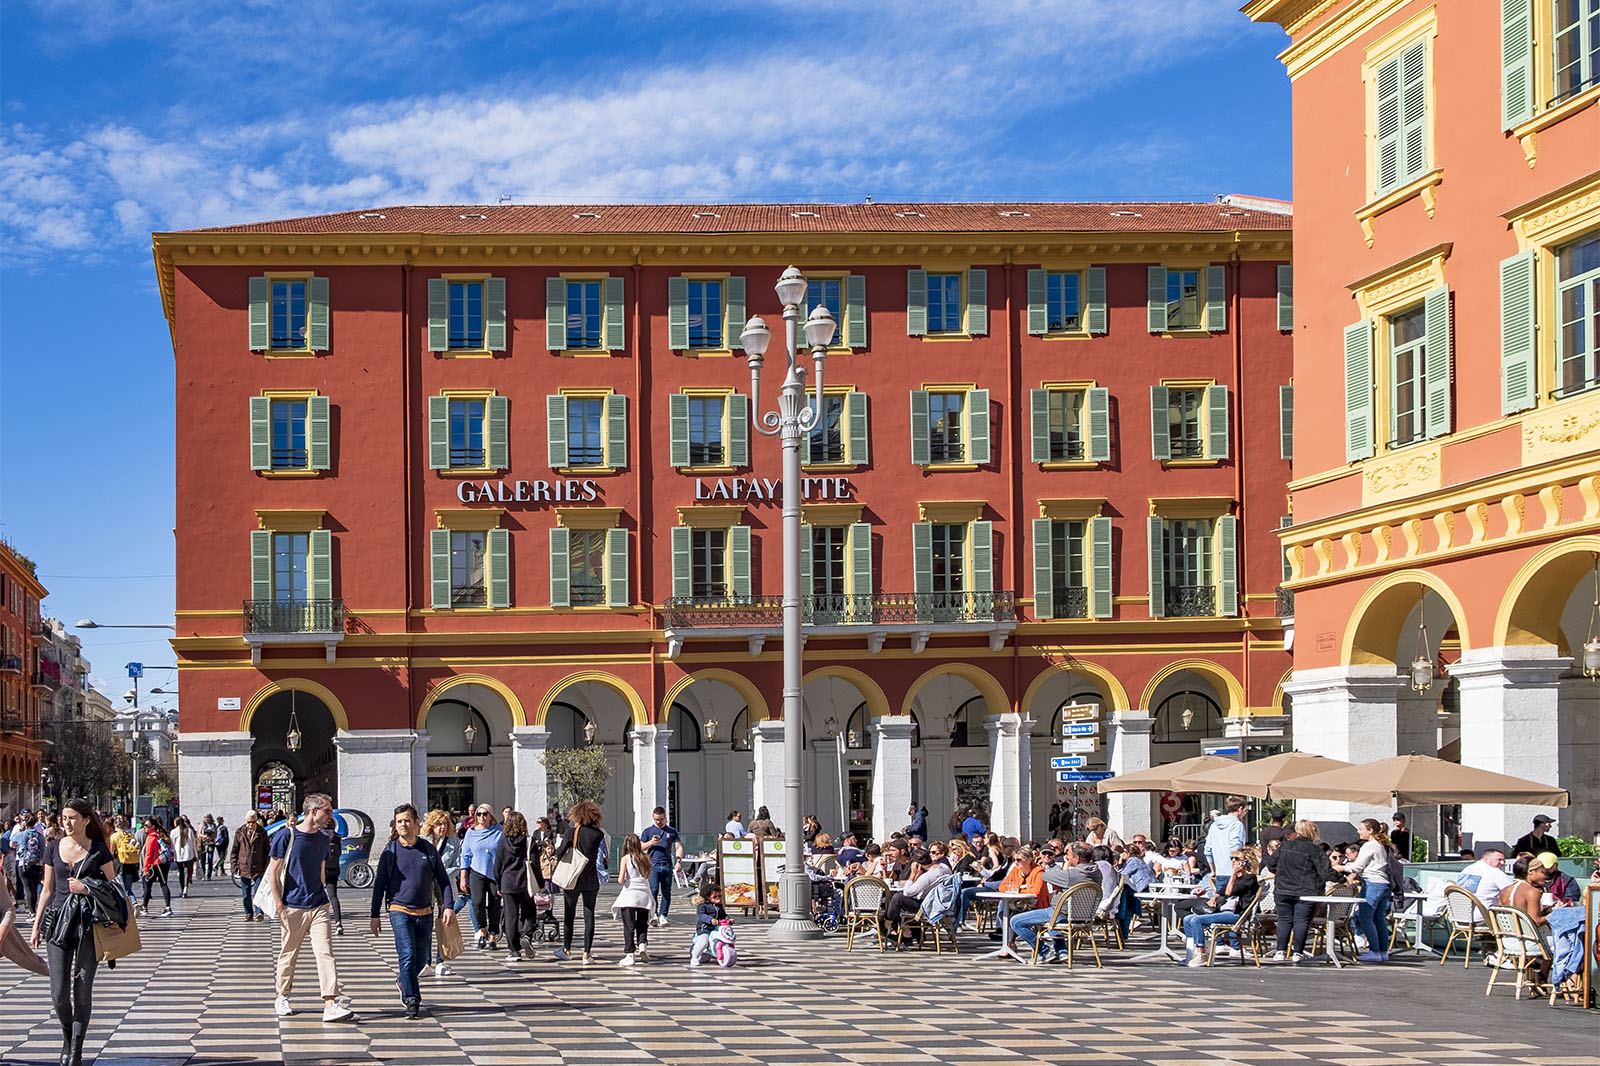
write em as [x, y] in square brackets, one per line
[626, 960]
[587, 958]
[283, 1006]
[343, 1001]
[337, 1012]
[695, 961]
[643, 955]
[442, 970]
[560, 954]
[1196, 961]
[1278, 956]
[661, 919]
[1297, 957]
[165, 913]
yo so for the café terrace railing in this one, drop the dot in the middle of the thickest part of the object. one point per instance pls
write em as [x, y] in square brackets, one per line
[877, 608]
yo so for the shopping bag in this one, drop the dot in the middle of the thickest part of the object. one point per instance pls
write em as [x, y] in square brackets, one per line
[450, 945]
[114, 941]
[569, 869]
[263, 897]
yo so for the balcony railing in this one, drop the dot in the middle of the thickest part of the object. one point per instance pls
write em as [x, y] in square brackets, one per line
[12, 720]
[44, 680]
[1285, 602]
[878, 608]
[1191, 601]
[10, 664]
[1070, 601]
[289, 617]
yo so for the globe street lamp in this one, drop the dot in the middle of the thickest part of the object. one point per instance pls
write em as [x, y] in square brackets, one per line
[795, 415]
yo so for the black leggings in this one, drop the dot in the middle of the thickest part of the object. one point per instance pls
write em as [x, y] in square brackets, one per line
[72, 984]
[521, 920]
[185, 874]
[485, 903]
[570, 899]
[157, 875]
[635, 922]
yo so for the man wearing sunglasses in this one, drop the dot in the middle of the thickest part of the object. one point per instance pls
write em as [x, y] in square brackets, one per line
[479, 848]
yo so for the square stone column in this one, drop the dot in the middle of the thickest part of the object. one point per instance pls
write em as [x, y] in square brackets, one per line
[1511, 724]
[1348, 713]
[1579, 770]
[419, 773]
[891, 774]
[1010, 775]
[530, 780]
[766, 744]
[378, 769]
[1417, 731]
[1127, 736]
[214, 776]
[649, 772]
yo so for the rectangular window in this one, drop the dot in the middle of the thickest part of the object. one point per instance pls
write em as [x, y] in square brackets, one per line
[1064, 302]
[944, 303]
[827, 436]
[1408, 343]
[1186, 302]
[944, 427]
[468, 551]
[708, 564]
[1068, 590]
[705, 314]
[291, 554]
[466, 314]
[584, 314]
[825, 292]
[587, 563]
[585, 436]
[1187, 565]
[827, 566]
[1578, 309]
[1066, 424]
[289, 435]
[288, 316]
[949, 558]
[705, 431]
[1185, 425]
[466, 433]
[1577, 50]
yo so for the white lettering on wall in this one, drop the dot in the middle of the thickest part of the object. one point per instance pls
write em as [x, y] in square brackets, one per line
[527, 491]
[770, 490]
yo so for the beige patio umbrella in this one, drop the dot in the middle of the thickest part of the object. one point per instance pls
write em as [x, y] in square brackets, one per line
[1160, 778]
[1260, 778]
[1408, 780]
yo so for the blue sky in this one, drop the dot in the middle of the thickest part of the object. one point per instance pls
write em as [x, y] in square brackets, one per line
[126, 116]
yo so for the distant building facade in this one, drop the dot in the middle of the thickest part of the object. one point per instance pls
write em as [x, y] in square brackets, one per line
[26, 679]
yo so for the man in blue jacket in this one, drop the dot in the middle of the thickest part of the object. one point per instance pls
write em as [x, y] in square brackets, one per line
[409, 870]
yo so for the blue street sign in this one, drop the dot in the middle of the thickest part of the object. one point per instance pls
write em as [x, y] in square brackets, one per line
[1072, 762]
[136, 669]
[1083, 776]
[1065, 762]
[1081, 729]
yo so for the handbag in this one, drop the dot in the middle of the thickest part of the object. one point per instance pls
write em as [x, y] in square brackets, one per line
[570, 868]
[263, 898]
[112, 941]
[450, 943]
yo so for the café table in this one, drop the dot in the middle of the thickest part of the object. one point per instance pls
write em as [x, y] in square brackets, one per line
[1164, 899]
[1003, 920]
[1332, 918]
[1418, 909]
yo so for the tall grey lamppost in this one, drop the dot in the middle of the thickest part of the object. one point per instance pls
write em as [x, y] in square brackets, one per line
[794, 416]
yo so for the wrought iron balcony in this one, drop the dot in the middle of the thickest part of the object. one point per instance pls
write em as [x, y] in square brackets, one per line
[292, 617]
[41, 631]
[1285, 602]
[44, 680]
[1070, 601]
[878, 608]
[10, 664]
[1191, 601]
[12, 720]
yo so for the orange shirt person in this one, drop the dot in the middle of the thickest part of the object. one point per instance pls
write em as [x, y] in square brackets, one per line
[1026, 875]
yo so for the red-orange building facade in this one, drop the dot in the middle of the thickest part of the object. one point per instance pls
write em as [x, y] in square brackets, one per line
[22, 680]
[455, 482]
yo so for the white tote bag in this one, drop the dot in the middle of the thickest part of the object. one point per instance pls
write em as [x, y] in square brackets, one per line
[263, 895]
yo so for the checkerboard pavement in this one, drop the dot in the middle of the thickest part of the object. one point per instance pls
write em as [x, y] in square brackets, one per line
[201, 993]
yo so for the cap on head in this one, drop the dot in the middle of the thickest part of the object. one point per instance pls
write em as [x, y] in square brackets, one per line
[1543, 819]
[1547, 859]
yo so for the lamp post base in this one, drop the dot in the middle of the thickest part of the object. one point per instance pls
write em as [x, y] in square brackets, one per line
[794, 930]
[794, 909]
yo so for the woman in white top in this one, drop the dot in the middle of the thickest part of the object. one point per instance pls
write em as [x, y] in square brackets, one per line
[634, 903]
[185, 851]
[734, 827]
[1371, 866]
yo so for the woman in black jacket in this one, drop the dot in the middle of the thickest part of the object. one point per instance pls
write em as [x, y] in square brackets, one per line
[586, 839]
[79, 856]
[516, 896]
[1302, 869]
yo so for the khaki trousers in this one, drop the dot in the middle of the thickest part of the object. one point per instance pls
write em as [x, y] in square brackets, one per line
[298, 924]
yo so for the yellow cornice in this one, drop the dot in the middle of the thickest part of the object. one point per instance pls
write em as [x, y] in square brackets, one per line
[831, 514]
[1334, 34]
[1403, 283]
[708, 516]
[300, 520]
[950, 510]
[588, 517]
[468, 519]
[1190, 506]
[1063, 509]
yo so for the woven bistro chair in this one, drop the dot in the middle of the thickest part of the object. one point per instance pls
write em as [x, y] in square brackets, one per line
[1105, 915]
[1072, 918]
[1247, 927]
[1469, 920]
[1344, 926]
[864, 898]
[1519, 941]
[941, 931]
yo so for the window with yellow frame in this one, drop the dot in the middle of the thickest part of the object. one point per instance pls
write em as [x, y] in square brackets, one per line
[709, 429]
[587, 430]
[1550, 299]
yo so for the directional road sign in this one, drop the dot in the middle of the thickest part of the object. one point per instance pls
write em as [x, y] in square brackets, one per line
[1080, 745]
[1082, 776]
[1080, 729]
[1073, 762]
[1080, 712]
[1065, 762]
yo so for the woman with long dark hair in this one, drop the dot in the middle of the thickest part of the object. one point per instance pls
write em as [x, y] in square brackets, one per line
[157, 864]
[585, 838]
[81, 854]
[634, 903]
[1370, 869]
[185, 851]
[516, 894]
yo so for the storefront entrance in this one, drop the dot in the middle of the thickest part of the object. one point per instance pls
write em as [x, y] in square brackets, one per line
[453, 794]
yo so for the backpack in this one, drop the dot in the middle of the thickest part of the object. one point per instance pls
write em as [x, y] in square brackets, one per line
[1397, 877]
[222, 835]
[163, 852]
[31, 853]
[940, 900]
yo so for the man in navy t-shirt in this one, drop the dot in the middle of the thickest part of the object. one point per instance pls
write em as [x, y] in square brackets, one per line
[665, 848]
[295, 879]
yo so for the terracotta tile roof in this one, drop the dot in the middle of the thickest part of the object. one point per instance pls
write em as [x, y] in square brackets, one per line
[578, 219]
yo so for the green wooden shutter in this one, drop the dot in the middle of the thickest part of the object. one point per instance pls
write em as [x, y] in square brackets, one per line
[260, 433]
[855, 311]
[616, 446]
[1284, 523]
[1437, 360]
[1101, 592]
[1517, 375]
[922, 558]
[855, 414]
[560, 566]
[1227, 565]
[1414, 111]
[319, 563]
[806, 585]
[260, 309]
[612, 333]
[1160, 423]
[738, 430]
[438, 319]
[1217, 299]
[1099, 425]
[439, 567]
[555, 420]
[733, 315]
[1158, 574]
[497, 433]
[1217, 421]
[682, 562]
[1095, 306]
[861, 569]
[317, 314]
[1516, 62]
[1388, 122]
[739, 562]
[982, 556]
[318, 433]
[1043, 592]
[678, 313]
[978, 426]
[499, 568]
[1156, 298]
[616, 568]
[977, 301]
[1039, 423]
[916, 303]
[555, 314]
[1358, 390]
[438, 432]
[494, 314]
[1286, 422]
[678, 423]
[1285, 299]
[261, 564]
[921, 445]
[1038, 299]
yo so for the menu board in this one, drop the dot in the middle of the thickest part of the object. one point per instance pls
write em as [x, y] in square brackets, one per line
[771, 868]
[740, 878]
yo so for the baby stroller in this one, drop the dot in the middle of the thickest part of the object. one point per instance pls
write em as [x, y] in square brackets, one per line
[827, 901]
[546, 926]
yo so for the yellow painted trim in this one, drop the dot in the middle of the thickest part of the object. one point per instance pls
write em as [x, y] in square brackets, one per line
[588, 517]
[754, 700]
[951, 468]
[289, 394]
[586, 393]
[707, 516]
[468, 519]
[637, 710]
[1332, 36]
[871, 694]
[1188, 383]
[290, 473]
[302, 520]
[341, 721]
[1104, 680]
[513, 705]
[1069, 386]
[1066, 509]
[1503, 621]
[1190, 506]
[1349, 655]
[831, 514]
[1221, 678]
[1527, 134]
[1423, 187]
[951, 511]
[994, 695]
[1402, 284]
[1070, 464]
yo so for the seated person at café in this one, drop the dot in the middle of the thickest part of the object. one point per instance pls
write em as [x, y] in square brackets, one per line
[896, 867]
[1108, 875]
[964, 864]
[849, 852]
[1080, 871]
[927, 870]
[872, 865]
[1526, 894]
[1025, 876]
[1139, 877]
[822, 844]
[1224, 905]
[1487, 877]
[1563, 888]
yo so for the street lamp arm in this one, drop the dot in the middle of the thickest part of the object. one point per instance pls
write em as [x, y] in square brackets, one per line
[89, 623]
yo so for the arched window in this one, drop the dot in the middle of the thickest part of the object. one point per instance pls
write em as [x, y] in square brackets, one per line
[739, 735]
[565, 724]
[858, 728]
[970, 720]
[685, 729]
[448, 732]
[1205, 719]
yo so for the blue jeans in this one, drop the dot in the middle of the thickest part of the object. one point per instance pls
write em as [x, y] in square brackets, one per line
[1025, 926]
[1127, 910]
[1372, 916]
[965, 897]
[247, 889]
[661, 888]
[1194, 925]
[413, 942]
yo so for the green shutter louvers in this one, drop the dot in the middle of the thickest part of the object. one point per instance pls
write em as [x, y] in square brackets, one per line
[1285, 298]
[1039, 423]
[260, 310]
[438, 432]
[1160, 423]
[916, 303]
[1156, 298]
[1437, 360]
[1038, 297]
[739, 562]
[738, 430]
[682, 562]
[978, 426]
[977, 301]
[1095, 314]
[560, 566]
[855, 311]
[260, 433]
[861, 568]
[1358, 442]
[495, 328]
[319, 450]
[616, 444]
[613, 334]
[921, 445]
[497, 433]
[1099, 425]
[439, 567]
[1516, 62]
[438, 317]
[1216, 299]
[678, 313]
[499, 567]
[1043, 590]
[678, 425]
[1518, 380]
[555, 314]
[922, 558]
[616, 568]
[1157, 560]
[1286, 422]
[855, 413]
[319, 564]
[261, 565]
[733, 320]
[317, 314]
[1101, 592]
[1217, 422]
[555, 418]
[1227, 566]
